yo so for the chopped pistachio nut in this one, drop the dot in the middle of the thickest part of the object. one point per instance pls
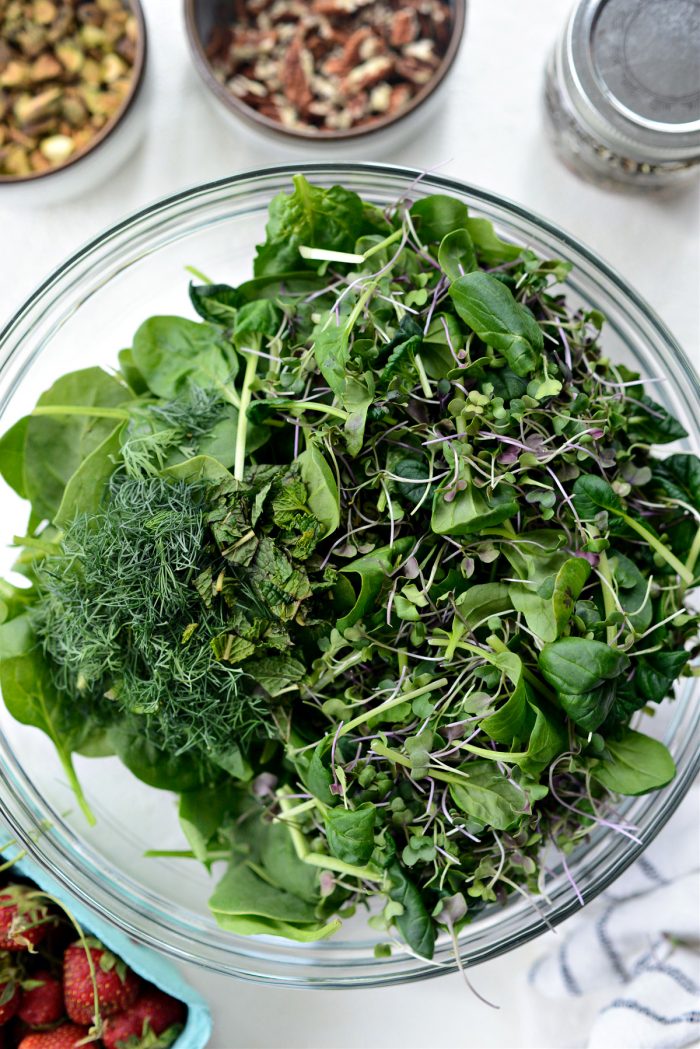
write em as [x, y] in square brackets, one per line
[66, 70]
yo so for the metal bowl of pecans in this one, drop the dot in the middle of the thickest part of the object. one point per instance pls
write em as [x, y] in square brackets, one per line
[324, 70]
[70, 72]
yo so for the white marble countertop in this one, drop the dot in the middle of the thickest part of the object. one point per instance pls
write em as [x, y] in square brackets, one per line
[488, 132]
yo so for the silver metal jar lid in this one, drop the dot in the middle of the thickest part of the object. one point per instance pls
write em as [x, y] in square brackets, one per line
[632, 70]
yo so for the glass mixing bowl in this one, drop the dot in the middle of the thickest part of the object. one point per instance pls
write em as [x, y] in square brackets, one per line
[83, 314]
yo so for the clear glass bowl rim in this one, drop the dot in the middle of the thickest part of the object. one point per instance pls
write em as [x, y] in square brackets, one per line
[331, 964]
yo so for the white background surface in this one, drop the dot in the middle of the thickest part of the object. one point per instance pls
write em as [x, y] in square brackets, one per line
[488, 132]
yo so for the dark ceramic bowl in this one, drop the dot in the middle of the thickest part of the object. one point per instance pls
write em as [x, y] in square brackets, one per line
[106, 151]
[201, 16]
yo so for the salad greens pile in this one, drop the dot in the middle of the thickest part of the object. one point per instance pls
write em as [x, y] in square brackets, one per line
[372, 564]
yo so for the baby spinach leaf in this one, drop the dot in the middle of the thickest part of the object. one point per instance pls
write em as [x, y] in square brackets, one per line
[481, 601]
[216, 303]
[243, 892]
[260, 317]
[253, 925]
[317, 774]
[159, 768]
[678, 477]
[12, 444]
[471, 509]
[506, 383]
[316, 217]
[332, 354]
[199, 468]
[85, 489]
[632, 591]
[548, 740]
[593, 494]
[548, 609]
[583, 671]
[32, 699]
[283, 866]
[321, 488]
[16, 637]
[488, 796]
[456, 254]
[55, 446]
[135, 380]
[488, 307]
[657, 671]
[490, 248]
[414, 923]
[637, 765]
[515, 719]
[652, 423]
[357, 398]
[202, 814]
[351, 833]
[437, 215]
[172, 351]
[576, 664]
[374, 570]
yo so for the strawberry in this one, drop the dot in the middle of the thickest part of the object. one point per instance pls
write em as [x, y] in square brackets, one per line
[117, 986]
[153, 1022]
[10, 998]
[42, 1000]
[10, 991]
[24, 918]
[67, 1036]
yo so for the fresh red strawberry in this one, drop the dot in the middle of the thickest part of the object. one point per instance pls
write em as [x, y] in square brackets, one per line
[117, 986]
[24, 918]
[67, 1036]
[10, 990]
[10, 999]
[42, 1000]
[153, 1022]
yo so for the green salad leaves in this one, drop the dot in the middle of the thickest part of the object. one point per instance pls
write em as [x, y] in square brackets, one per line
[375, 561]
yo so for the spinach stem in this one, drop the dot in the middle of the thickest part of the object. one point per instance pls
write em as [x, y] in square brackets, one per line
[82, 410]
[656, 544]
[298, 840]
[198, 274]
[388, 704]
[251, 368]
[692, 558]
[608, 599]
[76, 787]
[315, 406]
[330, 863]
[391, 239]
[392, 755]
[424, 382]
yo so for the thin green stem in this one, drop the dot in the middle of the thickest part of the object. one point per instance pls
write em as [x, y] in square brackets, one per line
[391, 755]
[391, 239]
[388, 704]
[330, 863]
[692, 558]
[315, 406]
[82, 410]
[76, 788]
[608, 594]
[251, 368]
[198, 274]
[298, 841]
[656, 544]
[424, 382]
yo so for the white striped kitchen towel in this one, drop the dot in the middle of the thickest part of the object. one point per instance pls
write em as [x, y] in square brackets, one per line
[625, 973]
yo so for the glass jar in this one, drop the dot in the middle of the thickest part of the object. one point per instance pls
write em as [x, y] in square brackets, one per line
[622, 92]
